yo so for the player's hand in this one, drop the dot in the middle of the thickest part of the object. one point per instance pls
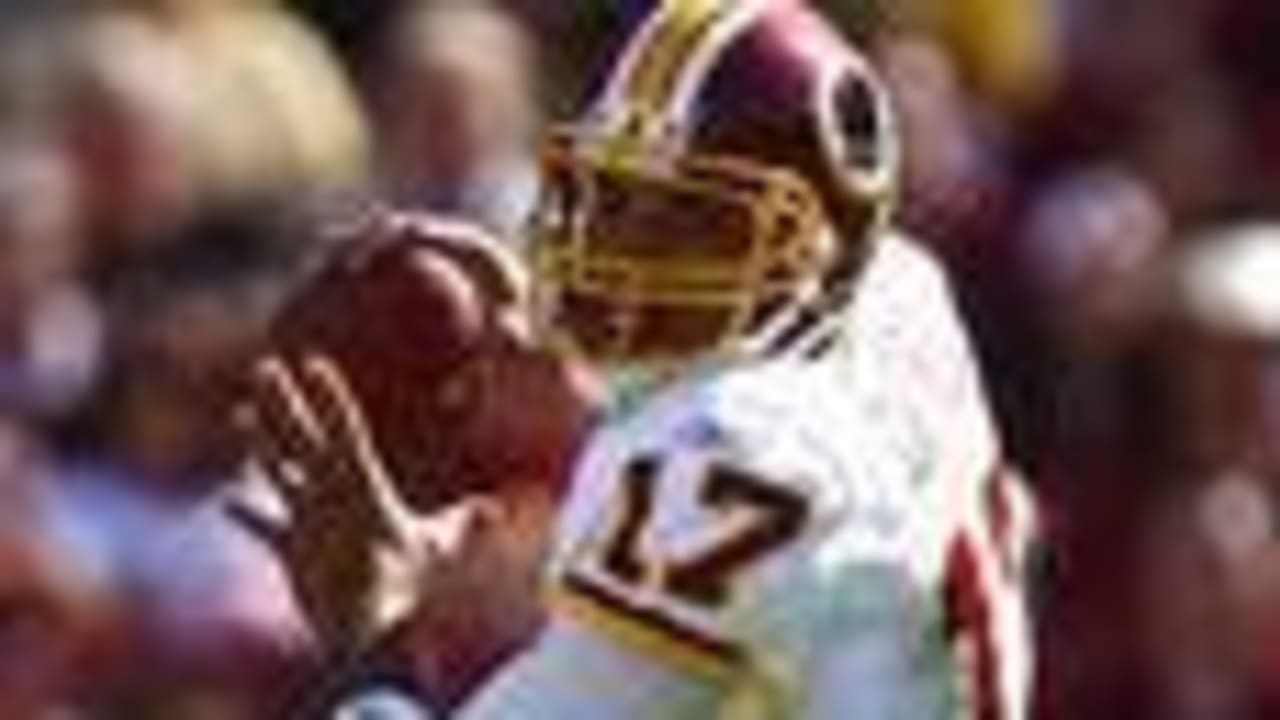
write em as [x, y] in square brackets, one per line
[353, 550]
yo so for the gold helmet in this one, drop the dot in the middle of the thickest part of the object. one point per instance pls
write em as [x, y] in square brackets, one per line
[718, 196]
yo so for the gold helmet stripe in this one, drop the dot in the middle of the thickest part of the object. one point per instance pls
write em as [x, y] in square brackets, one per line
[653, 77]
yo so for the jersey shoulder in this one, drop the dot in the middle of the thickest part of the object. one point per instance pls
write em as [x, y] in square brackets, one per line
[905, 332]
[904, 317]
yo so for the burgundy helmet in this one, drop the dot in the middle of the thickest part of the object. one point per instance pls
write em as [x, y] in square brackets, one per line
[718, 195]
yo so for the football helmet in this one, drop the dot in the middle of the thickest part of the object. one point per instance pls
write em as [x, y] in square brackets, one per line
[718, 196]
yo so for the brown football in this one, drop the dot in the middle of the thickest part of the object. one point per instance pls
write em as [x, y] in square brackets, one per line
[425, 318]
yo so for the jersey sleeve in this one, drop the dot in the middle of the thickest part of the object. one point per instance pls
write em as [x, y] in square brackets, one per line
[906, 332]
[982, 514]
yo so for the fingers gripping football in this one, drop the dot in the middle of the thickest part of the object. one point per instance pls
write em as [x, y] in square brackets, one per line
[415, 315]
[354, 552]
[400, 380]
[308, 425]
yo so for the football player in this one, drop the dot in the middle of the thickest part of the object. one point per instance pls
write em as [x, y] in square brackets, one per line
[796, 507]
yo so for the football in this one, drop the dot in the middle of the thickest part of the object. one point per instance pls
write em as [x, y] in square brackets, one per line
[426, 320]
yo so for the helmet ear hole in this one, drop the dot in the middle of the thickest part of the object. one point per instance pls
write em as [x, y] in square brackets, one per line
[858, 124]
[856, 128]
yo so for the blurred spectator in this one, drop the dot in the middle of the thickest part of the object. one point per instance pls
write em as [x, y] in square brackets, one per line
[50, 613]
[195, 594]
[1191, 125]
[1091, 257]
[1092, 243]
[51, 333]
[279, 114]
[132, 102]
[182, 103]
[151, 151]
[1227, 297]
[1213, 546]
[1010, 51]
[455, 97]
[954, 165]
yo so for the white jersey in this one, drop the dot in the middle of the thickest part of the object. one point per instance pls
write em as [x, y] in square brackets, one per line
[799, 538]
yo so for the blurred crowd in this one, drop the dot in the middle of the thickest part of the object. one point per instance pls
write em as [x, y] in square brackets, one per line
[1102, 177]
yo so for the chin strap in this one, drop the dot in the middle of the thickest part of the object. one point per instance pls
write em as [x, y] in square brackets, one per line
[804, 326]
[804, 329]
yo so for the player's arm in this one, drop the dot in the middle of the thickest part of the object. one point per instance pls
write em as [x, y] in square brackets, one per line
[992, 513]
[972, 665]
[987, 556]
